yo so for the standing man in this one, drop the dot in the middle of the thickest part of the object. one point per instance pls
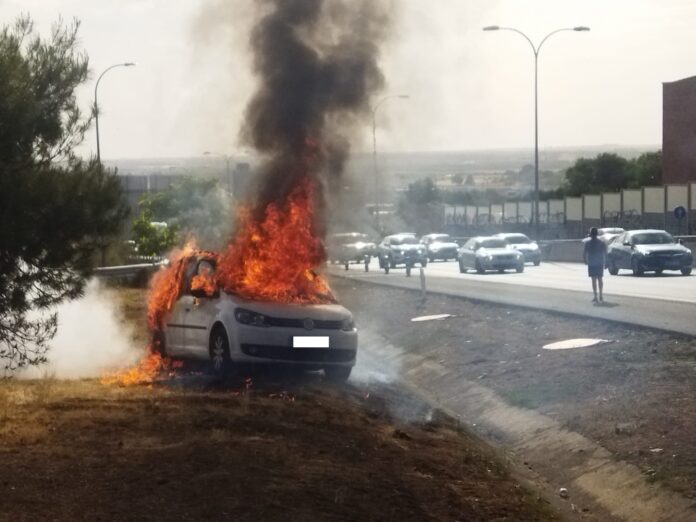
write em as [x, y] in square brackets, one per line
[595, 256]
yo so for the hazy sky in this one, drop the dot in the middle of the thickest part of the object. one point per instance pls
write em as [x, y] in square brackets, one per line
[469, 89]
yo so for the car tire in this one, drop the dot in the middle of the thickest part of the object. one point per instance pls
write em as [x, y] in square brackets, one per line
[346, 265]
[158, 343]
[462, 268]
[337, 374]
[686, 270]
[537, 263]
[636, 268]
[520, 268]
[220, 362]
[658, 271]
[367, 265]
[408, 270]
[501, 270]
[424, 263]
[613, 269]
[479, 268]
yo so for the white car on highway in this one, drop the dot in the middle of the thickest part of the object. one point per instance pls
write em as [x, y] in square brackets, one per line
[489, 253]
[528, 248]
[205, 323]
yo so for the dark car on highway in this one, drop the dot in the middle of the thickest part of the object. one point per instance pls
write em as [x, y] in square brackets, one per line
[489, 253]
[440, 246]
[401, 249]
[648, 251]
[528, 248]
[347, 248]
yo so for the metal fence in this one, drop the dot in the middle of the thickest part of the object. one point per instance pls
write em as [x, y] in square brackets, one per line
[649, 207]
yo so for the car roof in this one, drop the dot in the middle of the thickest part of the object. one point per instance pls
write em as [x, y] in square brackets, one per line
[508, 234]
[647, 230]
[402, 234]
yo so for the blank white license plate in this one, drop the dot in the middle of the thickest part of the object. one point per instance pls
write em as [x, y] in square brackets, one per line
[315, 341]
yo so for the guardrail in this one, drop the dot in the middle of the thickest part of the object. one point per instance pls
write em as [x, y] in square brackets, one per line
[133, 273]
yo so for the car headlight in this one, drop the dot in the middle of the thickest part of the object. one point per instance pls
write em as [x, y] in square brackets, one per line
[489, 258]
[251, 318]
[534, 246]
[348, 325]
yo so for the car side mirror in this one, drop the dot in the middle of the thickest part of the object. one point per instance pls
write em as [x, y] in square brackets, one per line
[680, 241]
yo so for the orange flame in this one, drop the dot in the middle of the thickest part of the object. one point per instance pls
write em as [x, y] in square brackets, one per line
[274, 259]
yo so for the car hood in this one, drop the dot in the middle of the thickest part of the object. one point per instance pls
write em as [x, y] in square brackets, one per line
[494, 252]
[439, 245]
[672, 247]
[524, 246]
[359, 245]
[324, 312]
[408, 247]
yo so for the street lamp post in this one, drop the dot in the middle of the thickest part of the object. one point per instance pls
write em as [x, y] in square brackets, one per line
[374, 150]
[96, 106]
[536, 49]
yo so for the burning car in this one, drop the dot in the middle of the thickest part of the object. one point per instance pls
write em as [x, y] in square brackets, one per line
[351, 247]
[440, 246]
[207, 323]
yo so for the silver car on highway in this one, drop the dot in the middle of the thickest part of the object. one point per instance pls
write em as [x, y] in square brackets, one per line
[489, 253]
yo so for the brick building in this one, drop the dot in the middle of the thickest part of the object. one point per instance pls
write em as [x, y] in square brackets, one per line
[679, 131]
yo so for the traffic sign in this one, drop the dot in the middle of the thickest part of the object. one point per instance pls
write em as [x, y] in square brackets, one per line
[679, 212]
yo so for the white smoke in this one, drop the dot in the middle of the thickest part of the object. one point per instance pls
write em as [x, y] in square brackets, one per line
[92, 339]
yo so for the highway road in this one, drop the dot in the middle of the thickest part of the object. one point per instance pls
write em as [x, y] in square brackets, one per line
[667, 301]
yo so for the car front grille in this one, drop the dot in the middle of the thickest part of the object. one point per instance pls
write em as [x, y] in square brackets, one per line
[309, 355]
[284, 322]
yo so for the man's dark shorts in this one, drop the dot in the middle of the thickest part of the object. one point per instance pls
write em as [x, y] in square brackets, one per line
[595, 270]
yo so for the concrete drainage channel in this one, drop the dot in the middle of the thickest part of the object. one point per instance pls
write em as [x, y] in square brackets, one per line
[590, 474]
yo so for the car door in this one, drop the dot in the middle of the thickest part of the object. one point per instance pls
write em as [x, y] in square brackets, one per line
[468, 254]
[624, 251]
[175, 321]
[199, 310]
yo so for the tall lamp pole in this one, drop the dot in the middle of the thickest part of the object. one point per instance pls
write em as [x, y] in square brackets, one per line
[536, 49]
[96, 106]
[374, 150]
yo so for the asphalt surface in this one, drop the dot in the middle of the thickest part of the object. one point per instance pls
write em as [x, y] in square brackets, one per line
[667, 301]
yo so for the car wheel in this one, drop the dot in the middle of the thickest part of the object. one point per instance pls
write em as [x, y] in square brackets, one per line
[408, 270]
[686, 270]
[479, 268]
[158, 344]
[520, 268]
[424, 263]
[501, 270]
[367, 265]
[346, 265]
[658, 271]
[613, 269]
[220, 362]
[537, 262]
[337, 374]
[636, 268]
[462, 268]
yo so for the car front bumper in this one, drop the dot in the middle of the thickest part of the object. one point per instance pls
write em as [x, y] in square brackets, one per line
[275, 345]
[656, 262]
[500, 263]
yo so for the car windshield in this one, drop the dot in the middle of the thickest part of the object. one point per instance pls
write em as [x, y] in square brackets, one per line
[517, 239]
[405, 241]
[492, 243]
[606, 231]
[440, 239]
[652, 238]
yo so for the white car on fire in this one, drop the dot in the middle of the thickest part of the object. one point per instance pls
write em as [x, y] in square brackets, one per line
[209, 324]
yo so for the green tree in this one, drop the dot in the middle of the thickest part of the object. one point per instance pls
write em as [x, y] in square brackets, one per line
[646, 170]
[605, 173]
[56, 210]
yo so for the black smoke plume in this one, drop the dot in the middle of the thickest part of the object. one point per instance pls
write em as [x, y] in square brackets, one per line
[317, 64]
